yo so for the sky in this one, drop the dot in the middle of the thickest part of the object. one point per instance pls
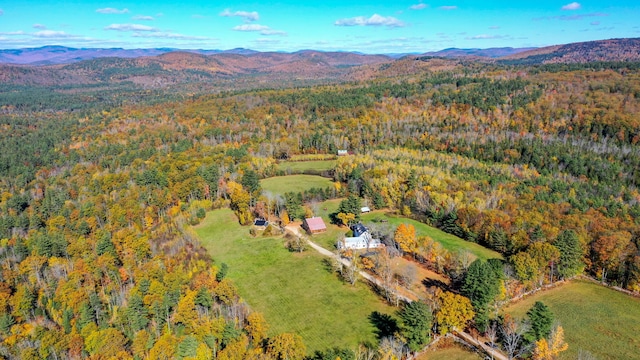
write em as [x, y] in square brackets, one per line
[368, 26]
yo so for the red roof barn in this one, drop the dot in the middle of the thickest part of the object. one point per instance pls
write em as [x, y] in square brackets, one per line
[314, 225]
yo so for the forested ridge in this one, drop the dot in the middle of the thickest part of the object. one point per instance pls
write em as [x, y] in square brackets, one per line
[541, 164]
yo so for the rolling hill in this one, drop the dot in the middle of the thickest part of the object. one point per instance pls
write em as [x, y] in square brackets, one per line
[627, 49]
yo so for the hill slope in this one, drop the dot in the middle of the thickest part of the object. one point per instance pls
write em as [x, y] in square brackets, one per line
[184, 67]
[601, 50]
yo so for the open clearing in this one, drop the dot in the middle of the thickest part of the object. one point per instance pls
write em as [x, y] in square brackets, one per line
[450, 242]
[293, 167]
[294, 183]
[296, 292]
[599, 320]
[453, 352]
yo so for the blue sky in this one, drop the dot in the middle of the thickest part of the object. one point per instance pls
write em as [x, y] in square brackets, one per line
[285, 25]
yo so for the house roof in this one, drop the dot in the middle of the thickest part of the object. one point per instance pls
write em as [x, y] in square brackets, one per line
[316, 223]
[358, 229]
[260, 222]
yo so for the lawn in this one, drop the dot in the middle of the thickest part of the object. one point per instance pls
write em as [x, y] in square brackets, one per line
[295, 292]
[294, 183]
[596, 319]
[454, 352]
[450, 242]
[294, 167]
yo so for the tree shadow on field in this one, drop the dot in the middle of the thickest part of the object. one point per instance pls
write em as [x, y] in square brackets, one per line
[385, 324]
[429, 283]
[328, 265]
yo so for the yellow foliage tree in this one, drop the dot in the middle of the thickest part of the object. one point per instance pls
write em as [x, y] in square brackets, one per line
[235, 350]
[186, 311]
[405, 236]
[256, 327]
[226, 291]
[286, 346]
[454, 313]
[550, 349]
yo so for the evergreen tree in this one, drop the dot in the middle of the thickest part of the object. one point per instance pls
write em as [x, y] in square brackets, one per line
[251, 182]
[204, 298]
[481, 284]
[67, 315]
[222, 272]
[6, 322]
[571, 252]
[187, 347]
[541, 320]
[137, 313]
[417, 321]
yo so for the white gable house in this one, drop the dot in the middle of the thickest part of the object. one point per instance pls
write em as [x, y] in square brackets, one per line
[362, 241]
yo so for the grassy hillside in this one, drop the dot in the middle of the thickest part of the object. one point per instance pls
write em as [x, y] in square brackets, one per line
[293, 167]
[596, 319]
[448, 241]
[294, 183]
[295, 292]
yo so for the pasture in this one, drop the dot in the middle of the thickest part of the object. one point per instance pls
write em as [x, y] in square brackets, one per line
[294, 183]
[296, 167]
[296, 292]
[449, 242]
[596, 319]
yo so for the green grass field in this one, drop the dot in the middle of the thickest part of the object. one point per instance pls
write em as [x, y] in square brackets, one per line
[295, 292]
[448, 241]
[454, 352]
[301, 166]
[599, 320]
[294, 183]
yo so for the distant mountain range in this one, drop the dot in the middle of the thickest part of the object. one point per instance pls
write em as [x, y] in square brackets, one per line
[51, 55]
[482, 53]
[151, 68]
[627, 49]
[601, 50]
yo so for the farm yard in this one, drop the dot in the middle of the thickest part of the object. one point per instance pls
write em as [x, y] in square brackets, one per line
[296, 292]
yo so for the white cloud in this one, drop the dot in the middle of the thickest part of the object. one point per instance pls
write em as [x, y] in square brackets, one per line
[143, 18]
[484, 37]
[112, 11]
[13, 33]
[247, 15]
[449, 7]
[572, 6]
[263, 29]
[52, 34]
[374, 20]
[419, 6]
[130, 27]
[250, 27]
[39, 26]
[267, 41]
[166, 35]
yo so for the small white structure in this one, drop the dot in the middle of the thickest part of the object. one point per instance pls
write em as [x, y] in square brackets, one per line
[362, 241]
[343, 153]
[365, 209]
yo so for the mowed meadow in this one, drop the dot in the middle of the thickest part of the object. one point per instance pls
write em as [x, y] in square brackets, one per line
[294, 183]
[602, 321]
[296, 292]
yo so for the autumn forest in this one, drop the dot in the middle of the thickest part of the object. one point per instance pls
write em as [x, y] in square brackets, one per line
[102, 184]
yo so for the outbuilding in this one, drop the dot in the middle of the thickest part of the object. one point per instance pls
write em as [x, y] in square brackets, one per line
[314, 225]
